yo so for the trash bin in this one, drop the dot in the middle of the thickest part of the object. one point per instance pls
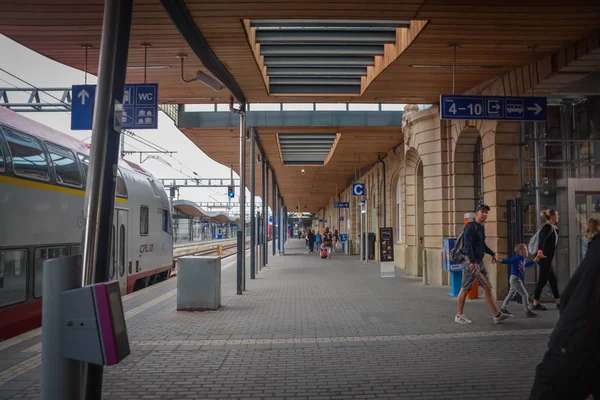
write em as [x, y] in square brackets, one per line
[198, 283]
[369, 245]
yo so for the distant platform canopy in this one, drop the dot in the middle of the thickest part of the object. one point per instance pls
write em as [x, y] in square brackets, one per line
[189, 208]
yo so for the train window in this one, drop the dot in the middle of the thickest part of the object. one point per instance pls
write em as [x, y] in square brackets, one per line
[121, 187]
[28, 157]
[154, 188]
[85, 160]
[13, 276]
[122, 250]
[41, 255]
[75, 249]
[65, 165]
[2, 167]
[144, 216]
[167, 224]
[113, 260]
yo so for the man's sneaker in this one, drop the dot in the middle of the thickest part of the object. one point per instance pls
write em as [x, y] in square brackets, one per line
[501, 317]
[540, 307]
[530, 314]
[504, 310]
[462, 319]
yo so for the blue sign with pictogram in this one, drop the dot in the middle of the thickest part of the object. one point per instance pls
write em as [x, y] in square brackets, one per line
[497, 108]
[140, 106]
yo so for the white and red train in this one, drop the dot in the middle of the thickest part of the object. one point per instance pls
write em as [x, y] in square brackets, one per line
[42, 189]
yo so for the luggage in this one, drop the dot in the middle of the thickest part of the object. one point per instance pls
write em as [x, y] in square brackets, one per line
[323, 252]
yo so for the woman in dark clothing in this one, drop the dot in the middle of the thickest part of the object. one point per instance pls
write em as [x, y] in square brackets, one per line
[547, 241]
[571, 366]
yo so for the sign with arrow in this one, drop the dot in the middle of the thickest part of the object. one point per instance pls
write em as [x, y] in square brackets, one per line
[496, 108]
[139, 109]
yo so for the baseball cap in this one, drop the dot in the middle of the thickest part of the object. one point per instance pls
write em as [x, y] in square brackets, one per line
[482, 207]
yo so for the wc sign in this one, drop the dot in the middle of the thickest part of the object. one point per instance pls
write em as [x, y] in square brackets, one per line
[358, 189]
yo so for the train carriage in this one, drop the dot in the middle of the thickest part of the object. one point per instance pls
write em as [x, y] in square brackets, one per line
[42, 191]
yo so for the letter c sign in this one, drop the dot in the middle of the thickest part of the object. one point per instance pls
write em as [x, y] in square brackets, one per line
[358, 189]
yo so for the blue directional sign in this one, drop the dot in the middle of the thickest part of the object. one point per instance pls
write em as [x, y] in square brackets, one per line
[358, 189]
[341, 204]
[270, 219]
[343, 237]
[496, 108]
[140, 106]
[82, 106]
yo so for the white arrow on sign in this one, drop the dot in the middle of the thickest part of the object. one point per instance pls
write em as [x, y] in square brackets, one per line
[537, 108]
[82, 95]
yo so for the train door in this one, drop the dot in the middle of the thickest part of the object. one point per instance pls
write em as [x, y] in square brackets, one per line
[119, 249]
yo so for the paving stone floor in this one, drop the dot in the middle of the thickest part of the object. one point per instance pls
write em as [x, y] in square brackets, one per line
[309, 328]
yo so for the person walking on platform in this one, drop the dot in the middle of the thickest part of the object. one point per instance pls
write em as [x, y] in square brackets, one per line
[328, 242]
[591, 231]
[311, 240]
[571, 365]
[547, 241]
[518, 264]
[474, 249]
[318, 241]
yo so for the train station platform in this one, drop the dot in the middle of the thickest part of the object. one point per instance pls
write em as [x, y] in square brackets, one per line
[309, 328]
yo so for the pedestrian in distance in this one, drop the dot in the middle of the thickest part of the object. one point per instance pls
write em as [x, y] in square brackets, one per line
[518, 264]
[546, 248]
[474, 248]
[591, 231]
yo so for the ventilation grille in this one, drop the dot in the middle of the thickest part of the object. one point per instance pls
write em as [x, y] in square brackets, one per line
[321, 56]
[305, 149]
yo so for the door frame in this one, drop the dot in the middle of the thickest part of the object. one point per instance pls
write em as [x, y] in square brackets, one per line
[575, 187]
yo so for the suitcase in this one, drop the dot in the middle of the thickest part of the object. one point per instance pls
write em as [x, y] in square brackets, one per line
[323, 252]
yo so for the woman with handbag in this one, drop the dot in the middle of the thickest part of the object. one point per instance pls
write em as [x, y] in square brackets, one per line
[547, 242]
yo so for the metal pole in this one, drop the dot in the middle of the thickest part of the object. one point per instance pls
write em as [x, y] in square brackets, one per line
[104, 155]
[366, 232]
[61, 376]
[360, 239]
[252, 203]
[274, 210]
[538, 200]
[266, 210]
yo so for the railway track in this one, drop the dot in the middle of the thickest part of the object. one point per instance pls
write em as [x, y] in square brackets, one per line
[229, 249]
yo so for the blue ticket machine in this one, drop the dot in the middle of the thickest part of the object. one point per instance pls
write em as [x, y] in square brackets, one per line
[455, 269]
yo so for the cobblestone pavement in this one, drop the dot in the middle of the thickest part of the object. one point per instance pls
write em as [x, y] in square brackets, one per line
[309, 328]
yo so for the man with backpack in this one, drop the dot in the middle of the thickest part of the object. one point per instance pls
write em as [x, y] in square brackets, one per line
[473, 250]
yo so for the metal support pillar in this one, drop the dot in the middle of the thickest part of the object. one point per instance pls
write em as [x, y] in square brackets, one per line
[241, 255]
[258, 261]
[536, 158]
[61, 376]
[252, 203]
[266, 210]
[265, 214]
[274, 210]
[104, 156]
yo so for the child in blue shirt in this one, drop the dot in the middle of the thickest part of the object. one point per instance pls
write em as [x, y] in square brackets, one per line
[518, 264]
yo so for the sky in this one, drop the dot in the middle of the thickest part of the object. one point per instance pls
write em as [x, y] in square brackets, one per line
[43, 72]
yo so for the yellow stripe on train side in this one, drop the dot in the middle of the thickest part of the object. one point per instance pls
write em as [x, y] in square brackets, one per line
[46, 186]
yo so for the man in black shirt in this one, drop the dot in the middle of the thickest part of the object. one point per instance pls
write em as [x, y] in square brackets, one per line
[474, 249]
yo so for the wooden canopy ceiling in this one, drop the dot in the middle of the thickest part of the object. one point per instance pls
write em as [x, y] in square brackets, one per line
[490, 33]
[494, 37]
[357, 147]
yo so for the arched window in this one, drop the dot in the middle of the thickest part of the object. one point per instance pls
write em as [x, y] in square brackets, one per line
[398, 212]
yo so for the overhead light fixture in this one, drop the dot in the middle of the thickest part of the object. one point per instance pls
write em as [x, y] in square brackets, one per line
[209, 81]
[190, 98]
[149, 67]
[203, 77]
[464, 66]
